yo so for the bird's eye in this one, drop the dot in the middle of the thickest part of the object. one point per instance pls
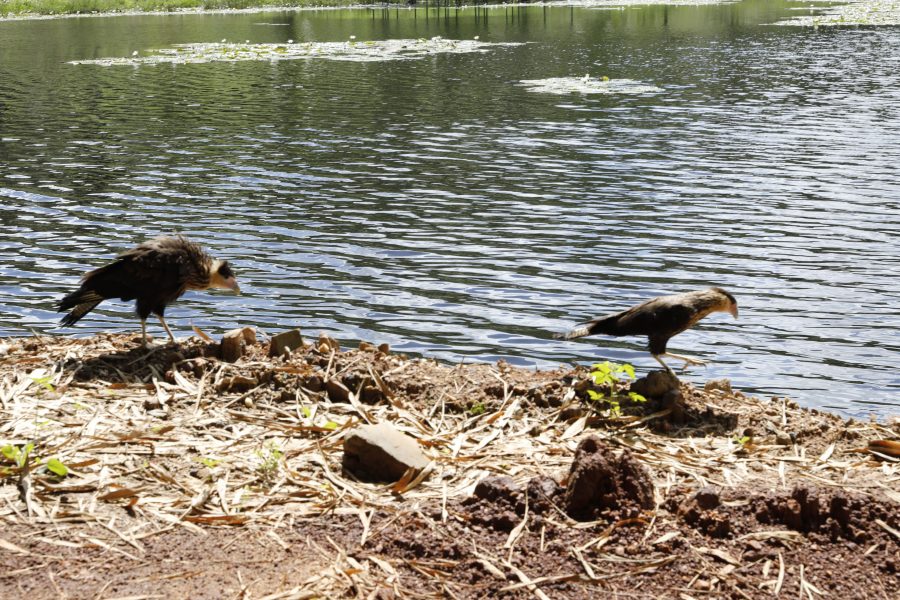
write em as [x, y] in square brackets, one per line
[225, 271]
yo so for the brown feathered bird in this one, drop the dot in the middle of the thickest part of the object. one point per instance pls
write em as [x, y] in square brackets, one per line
[660, 319]
[155, 274]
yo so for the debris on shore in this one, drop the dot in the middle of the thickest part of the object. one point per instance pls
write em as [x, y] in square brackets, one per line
[134, 469]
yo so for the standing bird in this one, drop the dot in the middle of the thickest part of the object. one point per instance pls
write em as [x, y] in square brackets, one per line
[660, 319]
[155, 273]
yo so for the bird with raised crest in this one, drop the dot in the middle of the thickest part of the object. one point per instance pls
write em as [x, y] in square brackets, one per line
[154, 274]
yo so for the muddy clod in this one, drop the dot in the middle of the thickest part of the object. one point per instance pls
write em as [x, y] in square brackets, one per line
[656, 384]
[600, 481]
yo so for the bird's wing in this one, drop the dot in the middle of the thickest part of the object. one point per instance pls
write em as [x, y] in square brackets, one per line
[133, 273]
[659, 317]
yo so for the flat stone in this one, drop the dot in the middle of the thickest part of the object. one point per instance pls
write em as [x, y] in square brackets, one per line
[783, 439]
[288, 341]
[381, 453]
[236, 341]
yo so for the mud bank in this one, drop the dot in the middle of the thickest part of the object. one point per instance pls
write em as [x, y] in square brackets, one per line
[190, 476]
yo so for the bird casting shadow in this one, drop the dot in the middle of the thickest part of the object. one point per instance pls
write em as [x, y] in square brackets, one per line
[136, 365]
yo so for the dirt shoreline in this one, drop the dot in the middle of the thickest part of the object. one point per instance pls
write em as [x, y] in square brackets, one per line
[194, 477]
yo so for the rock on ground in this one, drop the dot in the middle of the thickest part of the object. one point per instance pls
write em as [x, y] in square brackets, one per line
[381, 453]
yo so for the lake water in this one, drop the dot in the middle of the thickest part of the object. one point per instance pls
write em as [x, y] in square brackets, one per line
[438, 205]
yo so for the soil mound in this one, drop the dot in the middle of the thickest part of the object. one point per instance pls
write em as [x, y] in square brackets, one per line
[602, 482]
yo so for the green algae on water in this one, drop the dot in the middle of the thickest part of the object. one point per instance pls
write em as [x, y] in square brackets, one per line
[587, 85]
[352, 50]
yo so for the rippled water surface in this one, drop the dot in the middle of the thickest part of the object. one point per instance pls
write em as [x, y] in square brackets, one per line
[439, 205]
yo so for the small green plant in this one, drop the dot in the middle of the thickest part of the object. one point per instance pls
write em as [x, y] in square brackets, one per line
[44, 382]
[20, 456]
[270, 456]
[55, 466]
[210, 463]
[477, 409]
[17, 455]
[609, 375]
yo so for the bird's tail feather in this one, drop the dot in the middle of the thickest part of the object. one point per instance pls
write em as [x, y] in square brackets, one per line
[81, 302]
[580, 331]
[600, 325]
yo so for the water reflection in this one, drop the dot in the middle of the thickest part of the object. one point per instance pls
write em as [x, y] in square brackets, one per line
[440, 207]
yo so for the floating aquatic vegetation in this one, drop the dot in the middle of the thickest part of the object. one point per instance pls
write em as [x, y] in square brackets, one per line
[625, 3]
[588, 85]
[858, 12]
[375, 50]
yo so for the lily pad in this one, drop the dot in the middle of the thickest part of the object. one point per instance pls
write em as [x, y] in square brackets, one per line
[858, 12]
[356, 51]
[587, 85]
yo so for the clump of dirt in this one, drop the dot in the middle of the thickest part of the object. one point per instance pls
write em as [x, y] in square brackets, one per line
[500, 504]
[833, 514]
[700, 510]
[602, 482]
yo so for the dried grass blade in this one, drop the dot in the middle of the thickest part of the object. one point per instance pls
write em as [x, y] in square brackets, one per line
[889, 447]
[403, 484]
[828, 452]
[574, 429]
[584, 564]
[780, 581]
[517, 530]
[491, 567]
[527, 581]
[888, 528]
[12, 547]
[118, 495]
[547, 579]
[201, 334]
[665, 538]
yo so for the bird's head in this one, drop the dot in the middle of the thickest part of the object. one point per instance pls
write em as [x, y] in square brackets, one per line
[728, 302]
[221, 276]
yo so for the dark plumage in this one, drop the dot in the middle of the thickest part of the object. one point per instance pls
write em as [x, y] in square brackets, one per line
[155, 274]
[660, 319]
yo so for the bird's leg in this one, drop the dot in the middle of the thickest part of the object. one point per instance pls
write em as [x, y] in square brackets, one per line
[143, 333]
[169, 331]
[664, 365]
[688, 360]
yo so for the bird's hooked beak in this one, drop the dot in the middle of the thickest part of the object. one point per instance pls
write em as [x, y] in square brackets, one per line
[734, 311]
[222, 277]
